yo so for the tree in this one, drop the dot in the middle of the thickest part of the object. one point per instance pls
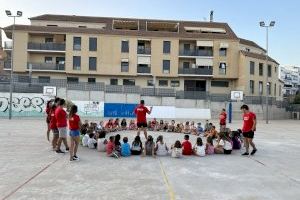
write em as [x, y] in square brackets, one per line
[297, 99]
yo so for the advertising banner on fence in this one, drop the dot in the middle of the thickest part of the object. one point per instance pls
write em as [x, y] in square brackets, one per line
[90, 108]
[23, 104]
[119, 110]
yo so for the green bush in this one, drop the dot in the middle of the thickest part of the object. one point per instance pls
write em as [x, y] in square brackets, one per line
[297, 99]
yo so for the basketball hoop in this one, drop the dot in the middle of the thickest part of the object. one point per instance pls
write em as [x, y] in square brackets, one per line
[49, 91]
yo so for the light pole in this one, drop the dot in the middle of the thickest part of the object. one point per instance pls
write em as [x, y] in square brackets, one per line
[19, 14]
[262, 24]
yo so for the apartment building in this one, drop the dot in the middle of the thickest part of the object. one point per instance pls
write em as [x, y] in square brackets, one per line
[184, 55]
[290, 75]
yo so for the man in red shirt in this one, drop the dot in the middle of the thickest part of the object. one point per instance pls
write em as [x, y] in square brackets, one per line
[140, 112]
[61, 123]
[223, 117]
[248, 129]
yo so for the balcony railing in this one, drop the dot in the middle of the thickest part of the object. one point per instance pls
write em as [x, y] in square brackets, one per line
[46, 66]
[7, 64]
[204, 53]
[8, 45]
[146, 51]
[143, 70]
[196, 71]
[46, 46]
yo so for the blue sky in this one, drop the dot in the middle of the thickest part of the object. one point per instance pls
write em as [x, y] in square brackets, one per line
[242, 16]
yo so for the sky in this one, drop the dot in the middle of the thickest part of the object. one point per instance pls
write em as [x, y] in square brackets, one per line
[243, 16]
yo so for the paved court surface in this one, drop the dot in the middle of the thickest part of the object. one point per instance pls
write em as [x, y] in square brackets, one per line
[30, 170]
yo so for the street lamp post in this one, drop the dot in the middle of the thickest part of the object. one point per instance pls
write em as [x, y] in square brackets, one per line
[262, 24]
[9, 14]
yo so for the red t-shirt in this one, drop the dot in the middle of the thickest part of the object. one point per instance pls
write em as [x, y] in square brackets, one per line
[248, 121]
[61, 117]
[52, 119]
[140, 112]
[110, 147]
[187, 148]
[109, 125]
[74, 122]
[223, 117]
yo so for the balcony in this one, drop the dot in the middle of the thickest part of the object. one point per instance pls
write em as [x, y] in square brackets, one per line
[144, 51]
[7, 45]
[143, 70]
[46, 67]
[205, 71]
[203, 53]
[57, 47]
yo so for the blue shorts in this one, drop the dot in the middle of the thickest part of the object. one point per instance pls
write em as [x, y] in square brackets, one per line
[74, 133]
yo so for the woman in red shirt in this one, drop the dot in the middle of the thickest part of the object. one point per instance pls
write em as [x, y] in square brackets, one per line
[48, 109]
[74, 127]
[61, 123]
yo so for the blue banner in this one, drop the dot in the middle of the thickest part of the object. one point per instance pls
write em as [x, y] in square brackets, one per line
[119, 110]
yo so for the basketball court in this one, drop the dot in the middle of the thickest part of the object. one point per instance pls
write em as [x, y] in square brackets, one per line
[30, 170]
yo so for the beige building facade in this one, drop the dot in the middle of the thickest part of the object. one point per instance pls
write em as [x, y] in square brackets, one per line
[183, 55]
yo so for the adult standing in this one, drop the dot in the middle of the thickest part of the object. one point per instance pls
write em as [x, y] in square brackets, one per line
[74, 126]
[249, 127]
[61, 123]
[141, 111]
[223, 118]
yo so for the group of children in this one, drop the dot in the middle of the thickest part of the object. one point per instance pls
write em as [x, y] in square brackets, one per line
[216, 143]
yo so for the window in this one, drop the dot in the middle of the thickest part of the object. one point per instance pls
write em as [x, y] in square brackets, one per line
[125, 46]
[150, 83]
[92, 63]
[279, 90]
[219, 84]
[166, 66]
[124, 67]
[72, 80]
[223, 52]
[275, 69]
[52, 25]
[76, 43]
[91, 80]
[261, 87]
[48, 59]
[186, 47]
[275, 87]
[113, 81]
[167, 47]
[269, 86]
[163, 83]
[48, 40]
[261, 69]
[186, 65]
[252, 67]
[251, 86]
[81, 26]
[44, 79]
[175, 83]
[222, 68]
[269, 70]
[76, 62]
[93, 44]
[128, 82]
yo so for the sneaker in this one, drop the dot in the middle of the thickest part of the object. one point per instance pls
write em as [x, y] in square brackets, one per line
[245, 154]
[75, 158]
[72, 159]
[59, 151]
[115, 155]
[67, 149]
[253, 152]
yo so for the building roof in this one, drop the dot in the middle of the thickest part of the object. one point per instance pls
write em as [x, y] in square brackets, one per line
[251, 43]
[258, 56]
[142, 27]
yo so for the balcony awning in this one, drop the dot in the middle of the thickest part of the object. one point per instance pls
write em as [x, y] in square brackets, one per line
[204, 62]
[146, 60]
[224, 45]
[205, 43]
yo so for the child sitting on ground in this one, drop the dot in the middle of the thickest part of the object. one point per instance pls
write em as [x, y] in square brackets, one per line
[176, 150]
[92, 143]
[187, 129]
[132, 125]
[161, 125]
[209, 148]
[213, 133]
[199, 148]
[187, 146]
[178, 129]
[224, 145]
[154, 124]
[236, 140]
[149, 147]
[123, 124]
[207, 126]
[171, 127]
[137, 146]
[109, 125]
[166, 125]
[125, 148]
[110, 148]
[118, 144]
[85, 140]
[101, 143]
[200, 129]
[161, 148]
[100, 126]
[193, 128]
[116, 125]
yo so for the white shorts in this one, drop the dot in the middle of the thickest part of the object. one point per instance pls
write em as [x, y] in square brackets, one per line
[62, 132]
